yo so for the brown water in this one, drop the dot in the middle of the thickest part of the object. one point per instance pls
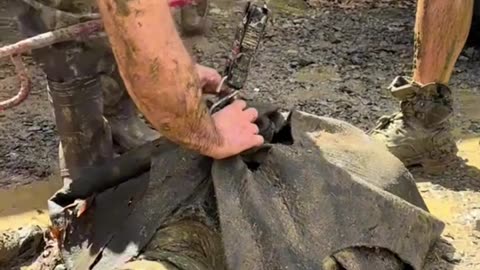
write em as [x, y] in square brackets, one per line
[469, 144]
[26, 204]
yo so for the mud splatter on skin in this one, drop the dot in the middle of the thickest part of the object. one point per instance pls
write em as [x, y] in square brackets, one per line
[130, 49]
[122, 7]
[109, 7]
[417, 45]
[154, 69]
[194, 119]
[139, 12]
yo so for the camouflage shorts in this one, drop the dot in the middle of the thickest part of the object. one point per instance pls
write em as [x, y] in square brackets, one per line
[70, 60]
[60, 13]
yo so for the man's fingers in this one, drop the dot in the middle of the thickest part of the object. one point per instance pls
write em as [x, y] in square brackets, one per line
[241, 104]
[254, 129]
[258, 140]
[251, 114]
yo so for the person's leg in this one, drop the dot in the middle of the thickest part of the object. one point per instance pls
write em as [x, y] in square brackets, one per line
[84, 86]
[441, 29]
[420, 133]
[75, 93]
[193, 18]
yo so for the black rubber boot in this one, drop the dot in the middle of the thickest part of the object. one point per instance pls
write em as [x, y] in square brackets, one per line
[76, 94]
[128, 129]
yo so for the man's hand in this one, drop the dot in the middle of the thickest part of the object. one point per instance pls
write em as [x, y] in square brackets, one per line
[159, 76]
[209, 79]
[235, 124]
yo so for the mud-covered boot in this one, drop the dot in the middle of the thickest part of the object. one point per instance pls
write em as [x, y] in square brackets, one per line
[420, 133]
[74, 91]
[128, 130]
[194, 18]
[85, 136]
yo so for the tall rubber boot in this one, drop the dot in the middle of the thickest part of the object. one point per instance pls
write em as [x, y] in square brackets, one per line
[128, 129]
[75, 92]
[420, 133]
[85, 136]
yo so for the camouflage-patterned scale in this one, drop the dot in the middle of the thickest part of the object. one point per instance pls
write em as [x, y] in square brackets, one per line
[247, 38]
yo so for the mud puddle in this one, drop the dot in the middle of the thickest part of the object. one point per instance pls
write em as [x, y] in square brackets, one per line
[459, 208]
[469, 149]
[26, 204]
[469, 104]
[469, 134]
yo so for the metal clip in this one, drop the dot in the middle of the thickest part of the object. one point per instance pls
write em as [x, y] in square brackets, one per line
[224, 100]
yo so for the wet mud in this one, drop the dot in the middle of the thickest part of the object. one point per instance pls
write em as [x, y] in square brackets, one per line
[331, 61]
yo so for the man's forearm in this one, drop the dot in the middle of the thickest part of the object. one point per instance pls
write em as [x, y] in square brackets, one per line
[157, 70]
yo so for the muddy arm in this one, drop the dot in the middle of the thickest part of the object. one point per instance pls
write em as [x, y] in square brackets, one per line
[158, 72]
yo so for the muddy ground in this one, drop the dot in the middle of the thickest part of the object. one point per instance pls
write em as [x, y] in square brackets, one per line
[328, 61]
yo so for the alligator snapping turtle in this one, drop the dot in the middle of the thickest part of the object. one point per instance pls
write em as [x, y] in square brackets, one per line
[319, 195]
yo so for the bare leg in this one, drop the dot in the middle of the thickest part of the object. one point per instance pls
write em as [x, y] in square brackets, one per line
[420, 133]
[441, 30]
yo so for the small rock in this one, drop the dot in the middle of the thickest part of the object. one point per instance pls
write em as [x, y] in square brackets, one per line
[256, 89]
[298, 21]
[20, 242]
[12, 155]
[215, 11]
[462, 58]
[305, 62]
[454, 258]
[469, 52]
[477, 225]
[356, 60]
[292, 52]
[34, 128]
